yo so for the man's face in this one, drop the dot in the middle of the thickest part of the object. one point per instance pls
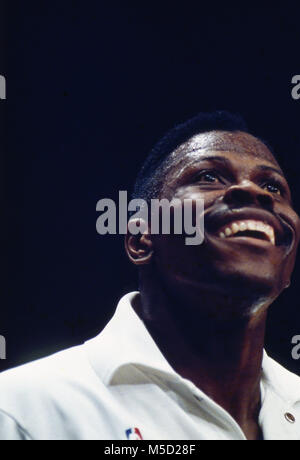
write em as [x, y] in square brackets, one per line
[251, 229]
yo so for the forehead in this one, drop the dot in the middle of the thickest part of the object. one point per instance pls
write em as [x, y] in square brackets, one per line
[237, 142]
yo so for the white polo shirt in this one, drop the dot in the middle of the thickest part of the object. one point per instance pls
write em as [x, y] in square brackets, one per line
[119, 386]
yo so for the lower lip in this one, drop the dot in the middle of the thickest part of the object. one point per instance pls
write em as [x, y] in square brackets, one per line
[248, 240]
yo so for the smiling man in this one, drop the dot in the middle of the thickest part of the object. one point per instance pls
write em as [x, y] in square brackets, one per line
[184, 357]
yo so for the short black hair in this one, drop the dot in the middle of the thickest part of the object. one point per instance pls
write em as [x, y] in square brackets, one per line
[150, 178]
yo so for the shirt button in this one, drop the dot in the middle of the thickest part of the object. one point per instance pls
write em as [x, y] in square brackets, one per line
[289, 417]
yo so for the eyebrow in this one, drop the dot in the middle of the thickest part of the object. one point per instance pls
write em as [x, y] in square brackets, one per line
[216, 158]
[270, 168]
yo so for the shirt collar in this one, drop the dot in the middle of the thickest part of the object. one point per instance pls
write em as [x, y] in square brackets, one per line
[126, 341]
[279, 380]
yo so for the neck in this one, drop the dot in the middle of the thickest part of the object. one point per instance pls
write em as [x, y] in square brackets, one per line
[222, 357]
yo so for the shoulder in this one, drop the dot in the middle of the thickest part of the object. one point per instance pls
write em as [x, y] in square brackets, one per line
[60, 366]
[49, 386]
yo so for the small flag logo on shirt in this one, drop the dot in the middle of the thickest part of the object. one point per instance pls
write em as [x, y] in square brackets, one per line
[134, 434]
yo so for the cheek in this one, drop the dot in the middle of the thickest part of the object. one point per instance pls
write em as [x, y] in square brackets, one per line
[173, 257]
[194, 193]
[290, 261]
[297, 228]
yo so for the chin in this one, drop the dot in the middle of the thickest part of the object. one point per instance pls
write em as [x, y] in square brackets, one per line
[249, 290]
[228, 296]
[249, 282]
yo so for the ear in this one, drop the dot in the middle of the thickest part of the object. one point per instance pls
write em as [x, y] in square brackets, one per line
[139, 247]
[287, 285]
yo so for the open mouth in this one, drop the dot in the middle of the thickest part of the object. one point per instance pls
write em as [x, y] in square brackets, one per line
[250, 225]
[248, 228]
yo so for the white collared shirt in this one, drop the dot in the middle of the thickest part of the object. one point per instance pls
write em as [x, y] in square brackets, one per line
[119, 386]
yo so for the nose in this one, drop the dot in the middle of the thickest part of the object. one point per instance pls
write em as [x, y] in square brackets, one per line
[247, 193]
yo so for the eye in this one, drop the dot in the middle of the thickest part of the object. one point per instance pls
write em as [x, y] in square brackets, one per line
[273, 187]
[208, 176]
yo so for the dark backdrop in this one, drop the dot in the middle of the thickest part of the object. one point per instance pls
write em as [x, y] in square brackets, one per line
[90, 87]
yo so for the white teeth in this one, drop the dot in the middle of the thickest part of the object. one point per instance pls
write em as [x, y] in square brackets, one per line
[249, 224]
[235, 227]
[260, 226]
[228, 231]
[243, 226]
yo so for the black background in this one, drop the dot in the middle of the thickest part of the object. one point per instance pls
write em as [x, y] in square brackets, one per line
[90, 87]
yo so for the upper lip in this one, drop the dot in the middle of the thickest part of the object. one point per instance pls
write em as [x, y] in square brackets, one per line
[217, 219]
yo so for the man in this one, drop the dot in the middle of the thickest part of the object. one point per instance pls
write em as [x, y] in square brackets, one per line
[183, 358]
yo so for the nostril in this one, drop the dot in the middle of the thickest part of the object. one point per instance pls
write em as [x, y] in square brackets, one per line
[238, 196]
[265, 200]
[243, 196]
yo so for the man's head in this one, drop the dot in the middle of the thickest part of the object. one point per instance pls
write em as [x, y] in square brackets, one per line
[251, 229]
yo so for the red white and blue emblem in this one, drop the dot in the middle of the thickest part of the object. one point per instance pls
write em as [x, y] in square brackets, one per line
[133, 434]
